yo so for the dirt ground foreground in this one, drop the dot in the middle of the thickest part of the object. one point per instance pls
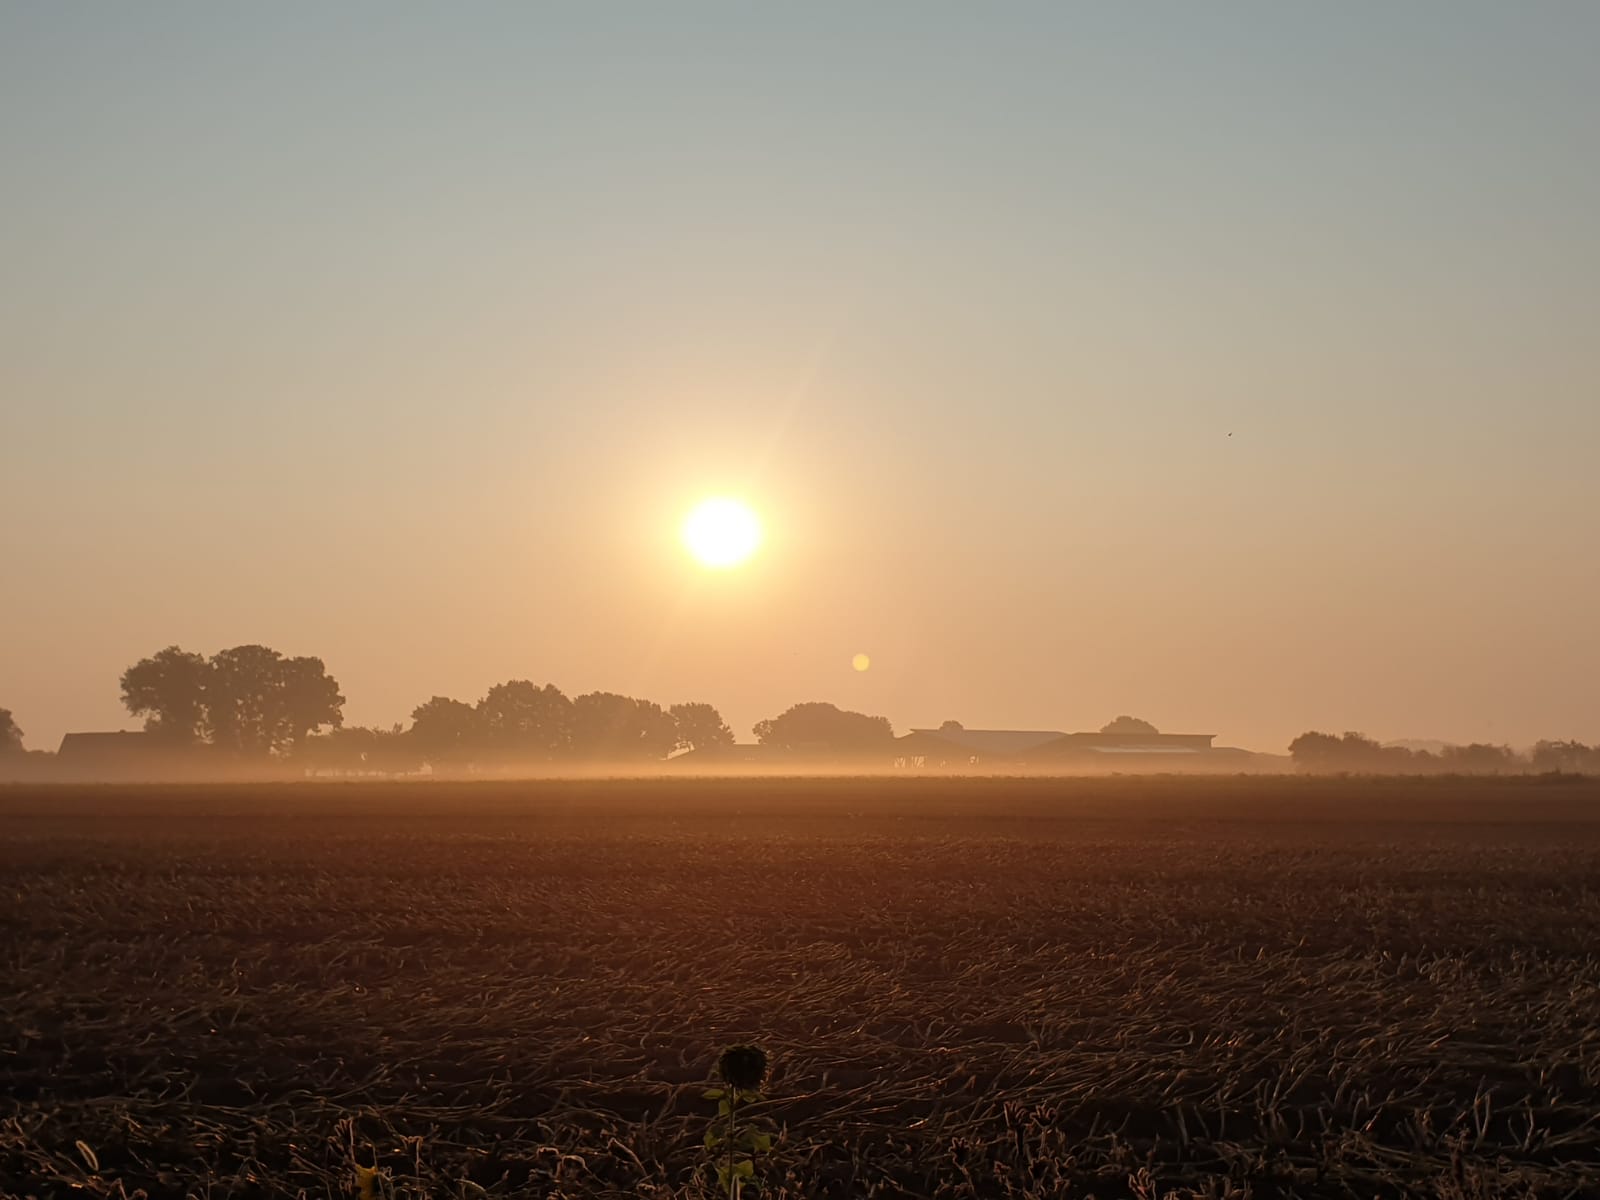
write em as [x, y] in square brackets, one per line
[968, 988]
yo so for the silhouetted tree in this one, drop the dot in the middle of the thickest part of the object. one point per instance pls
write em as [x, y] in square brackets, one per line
[610, 728]
[257, 702]
[1573, 757]
[1315, 750]
[168, 689]
[10, 735]
[1357, 753]
[445, 730]
[310, 697]
[824, 726]
[521, 720]
[1128, 725]
[699, 726]
[1352, 752]
[951, 727]
[248, 699]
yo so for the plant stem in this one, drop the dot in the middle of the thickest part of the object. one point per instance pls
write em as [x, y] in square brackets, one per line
[733, 1180]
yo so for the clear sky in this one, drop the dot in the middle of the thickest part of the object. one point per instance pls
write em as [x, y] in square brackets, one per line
[1235, 366]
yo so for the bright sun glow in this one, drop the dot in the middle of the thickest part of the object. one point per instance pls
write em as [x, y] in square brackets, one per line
[721, 533]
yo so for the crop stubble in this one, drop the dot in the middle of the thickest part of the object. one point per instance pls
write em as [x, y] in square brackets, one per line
[968, 988]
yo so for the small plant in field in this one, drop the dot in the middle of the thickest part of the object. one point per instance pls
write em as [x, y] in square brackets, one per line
[369, 1183]
[742, 1069]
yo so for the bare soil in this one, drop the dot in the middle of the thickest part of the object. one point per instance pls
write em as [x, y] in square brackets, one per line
[968, 988]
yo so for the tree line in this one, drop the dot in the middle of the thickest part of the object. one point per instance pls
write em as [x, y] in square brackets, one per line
[252, 703]
[1357, 754]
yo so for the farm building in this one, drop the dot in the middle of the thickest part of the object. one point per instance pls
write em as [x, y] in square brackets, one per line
[119, 749]
[124, 755]
[1042, 748]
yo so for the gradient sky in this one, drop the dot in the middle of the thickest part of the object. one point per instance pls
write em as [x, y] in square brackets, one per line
[404, 335]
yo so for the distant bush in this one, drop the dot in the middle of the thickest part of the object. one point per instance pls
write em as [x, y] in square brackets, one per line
[1127, 724]
[1355, 753]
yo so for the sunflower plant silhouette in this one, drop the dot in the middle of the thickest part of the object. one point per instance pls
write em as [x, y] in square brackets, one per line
[742, 1069]
[369, 1183]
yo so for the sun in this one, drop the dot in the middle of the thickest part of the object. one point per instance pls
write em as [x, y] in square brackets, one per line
[721, 532]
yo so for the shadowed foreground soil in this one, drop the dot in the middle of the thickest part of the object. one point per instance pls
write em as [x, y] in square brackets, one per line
[969, 988]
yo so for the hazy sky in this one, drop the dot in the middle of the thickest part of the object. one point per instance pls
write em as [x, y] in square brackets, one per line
[1236, 366]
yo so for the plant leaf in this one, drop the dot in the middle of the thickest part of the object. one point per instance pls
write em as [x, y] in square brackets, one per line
[714, 1093]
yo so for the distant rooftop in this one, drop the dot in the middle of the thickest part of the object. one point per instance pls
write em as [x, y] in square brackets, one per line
[100, 745]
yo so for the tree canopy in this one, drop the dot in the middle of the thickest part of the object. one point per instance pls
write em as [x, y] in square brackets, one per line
[168, 690]
[1358, 754]
[10, 735]
[250, 699]
[699, 726]
[607, 727]
[523, 721]
[520, 721]
[822, 726]
[444, 730]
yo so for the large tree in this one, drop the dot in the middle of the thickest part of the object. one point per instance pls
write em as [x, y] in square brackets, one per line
[10, 735]
[1316, 750]
[821, 726]
[168, 690]
[519, 719]
[607, 727]
[698, 726]
[445, 730]
[309, 696]
[257, 702]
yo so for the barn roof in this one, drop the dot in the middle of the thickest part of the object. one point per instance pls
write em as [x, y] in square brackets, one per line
[102, 745]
